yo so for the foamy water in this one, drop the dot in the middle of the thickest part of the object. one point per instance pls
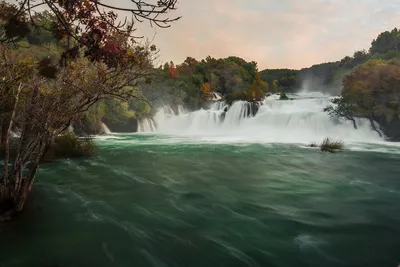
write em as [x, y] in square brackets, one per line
[301, 120]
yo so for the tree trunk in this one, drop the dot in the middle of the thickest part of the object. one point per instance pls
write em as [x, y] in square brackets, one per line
[3, 134]
[354, 123]
[374, 126]
[6, 191]
[15, 188]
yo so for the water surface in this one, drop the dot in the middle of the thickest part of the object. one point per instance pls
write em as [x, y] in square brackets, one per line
[157, 200]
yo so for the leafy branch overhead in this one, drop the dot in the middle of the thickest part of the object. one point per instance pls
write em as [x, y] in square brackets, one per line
[57, 64]
[100, 31]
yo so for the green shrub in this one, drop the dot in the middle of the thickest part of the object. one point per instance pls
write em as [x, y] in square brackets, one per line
[67, 145]
[70, 146]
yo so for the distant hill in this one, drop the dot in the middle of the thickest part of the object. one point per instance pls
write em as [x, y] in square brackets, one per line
[328, 77]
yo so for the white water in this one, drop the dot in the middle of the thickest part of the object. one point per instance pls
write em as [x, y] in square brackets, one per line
[146, 125]
[216, 96]
[105, 128]
[301, 120]
[70, 128]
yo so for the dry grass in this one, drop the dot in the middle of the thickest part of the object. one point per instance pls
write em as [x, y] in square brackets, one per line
[331, 146]
[313, 145]
[328, 145]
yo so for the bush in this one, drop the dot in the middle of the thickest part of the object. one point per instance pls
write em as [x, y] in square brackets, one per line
[331, 146]
[328, 145]
[236, 96]
[70, 146]
[313, 145]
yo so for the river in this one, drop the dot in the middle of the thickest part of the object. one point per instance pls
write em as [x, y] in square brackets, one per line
[195, 191]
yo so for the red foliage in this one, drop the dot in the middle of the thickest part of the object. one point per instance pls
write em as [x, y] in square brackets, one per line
[172, 70]
[88, 25]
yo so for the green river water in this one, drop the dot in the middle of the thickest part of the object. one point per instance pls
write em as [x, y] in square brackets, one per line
[156, 201]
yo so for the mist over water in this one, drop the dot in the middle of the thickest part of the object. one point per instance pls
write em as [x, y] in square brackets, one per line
[301, 120]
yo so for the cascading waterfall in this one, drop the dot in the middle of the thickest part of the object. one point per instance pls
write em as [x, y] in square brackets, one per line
[288, 121]
[216, 96]
[220, 105]
[105, 128]
[146, 125]
[181, 110]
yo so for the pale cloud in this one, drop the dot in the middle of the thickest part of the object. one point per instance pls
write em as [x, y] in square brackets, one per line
[274, 33]
[285, 33]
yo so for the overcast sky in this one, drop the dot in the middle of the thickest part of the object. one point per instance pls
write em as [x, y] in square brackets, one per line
[275, 33]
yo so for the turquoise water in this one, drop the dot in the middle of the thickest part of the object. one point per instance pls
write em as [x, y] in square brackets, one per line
[148, 200]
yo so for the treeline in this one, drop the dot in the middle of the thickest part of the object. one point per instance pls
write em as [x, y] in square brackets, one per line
[371, 88]
[285, 79]
[192, 82]
[329, 77]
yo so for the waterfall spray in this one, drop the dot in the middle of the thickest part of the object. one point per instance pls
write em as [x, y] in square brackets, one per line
[299, 120]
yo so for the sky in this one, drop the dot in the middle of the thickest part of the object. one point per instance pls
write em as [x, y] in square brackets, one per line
[274, 33]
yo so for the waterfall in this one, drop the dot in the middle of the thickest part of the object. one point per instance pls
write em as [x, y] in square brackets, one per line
[70, 128]
[220, 105]
[146, 125]
[181, 110]
[299, 120]
[216, 96]
[105, 128]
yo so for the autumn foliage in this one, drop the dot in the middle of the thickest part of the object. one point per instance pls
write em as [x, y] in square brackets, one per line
[90, 28]
[172, 70]
[372, 92]
[206, 90]
[374, 88]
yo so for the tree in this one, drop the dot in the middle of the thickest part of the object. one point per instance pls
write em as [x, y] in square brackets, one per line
[342, 109]
[191, 62]
[172, 70]
[44, 108]
[274, 86]
[371, 92]
[256, 93]
[206, 90]
[90, 25]
[261, 85]
[101, 59]
[385, 42]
